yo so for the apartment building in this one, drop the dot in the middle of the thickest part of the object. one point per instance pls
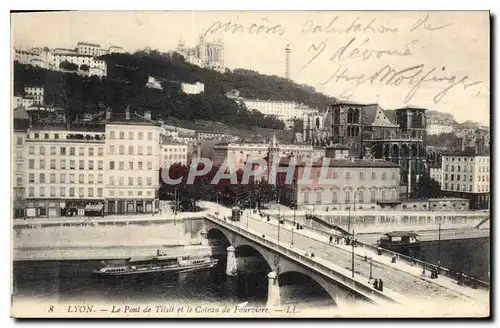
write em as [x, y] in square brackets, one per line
[173, 153]
[64, 170]
[132, 164]
[466, 173]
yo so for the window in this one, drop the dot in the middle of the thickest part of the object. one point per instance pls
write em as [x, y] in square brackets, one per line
[140, 135]
[71, 192]
[100, 165]
[112, 135]
[91, 151]
[99, 192]
[32, 150]
[393, 176]
[131, 150]
[42, 191]
[56, 136]
[446, 176]
[72, 178]
[458, 177]
[149, 181]
[347, 196]
[42, 164]
[120, 181]
[112, 149]
[458, 168]
[150, 165]
[31, 163]
[348, 175]
[62, 191]
[446, 167]
[19, 140]
[139, 181]
[360, 197]
[470, 178]
[91, 165]
[42, 150]
[122, 135]
[81, 192]
[81, 178]
[100, 151]
[31, 192]
[121, 150]
[31, 178]
[384, 175]
[130, 165]
[121, 165]
[373, 196]
[99, 178]
[150, 150]
[90, 179]
[52, 151]
[91, 192]
[52, 178]
[52, 164]
[111, 181]
[334, 197]
[62, 178]
[139, 150]
[150, 135]
[452, 177]
[81, 164]
[62, 151]
[131, 135]
[52, 191]
[81, 151]
[72, 151]
[139, 164]
[453, 168]
[130, 181]
[111, 165]
[374, 175]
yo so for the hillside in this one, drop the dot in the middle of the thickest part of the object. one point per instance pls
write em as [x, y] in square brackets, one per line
[125, 86]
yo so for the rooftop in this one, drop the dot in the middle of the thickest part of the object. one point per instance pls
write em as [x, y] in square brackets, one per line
[341, 163]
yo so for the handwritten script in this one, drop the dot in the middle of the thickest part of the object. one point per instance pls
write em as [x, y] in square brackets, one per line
[415, 77]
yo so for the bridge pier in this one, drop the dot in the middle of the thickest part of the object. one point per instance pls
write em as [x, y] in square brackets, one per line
[231, 265]
[204, 236]
[273, 291]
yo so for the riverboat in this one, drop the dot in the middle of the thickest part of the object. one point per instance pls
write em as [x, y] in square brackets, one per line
[161, 263]
[398, 240]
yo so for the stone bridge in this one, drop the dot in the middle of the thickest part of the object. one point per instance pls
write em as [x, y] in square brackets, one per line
[286, 265]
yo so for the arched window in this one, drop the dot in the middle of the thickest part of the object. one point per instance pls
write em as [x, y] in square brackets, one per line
[318, 123]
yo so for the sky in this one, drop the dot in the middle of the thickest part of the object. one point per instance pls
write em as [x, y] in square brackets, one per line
[434, 60]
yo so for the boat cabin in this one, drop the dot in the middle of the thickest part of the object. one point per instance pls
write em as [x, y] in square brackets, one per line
[399, 239]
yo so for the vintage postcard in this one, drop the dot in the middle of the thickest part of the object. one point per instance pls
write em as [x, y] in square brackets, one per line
[198, 164]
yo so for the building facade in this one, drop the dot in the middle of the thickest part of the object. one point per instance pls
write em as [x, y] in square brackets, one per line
[35, 93]
[209, 54]
[21, 125]
[193, 88]
[132, 165]
[85, 54]
[237, 154]
[439, 127]
[370, 131]
[173, 153]
[282, 110]
[64, 170]
[436, 173]
[466, 174]
[350, 184]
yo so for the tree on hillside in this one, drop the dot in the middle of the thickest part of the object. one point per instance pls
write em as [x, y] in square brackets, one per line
[68, 66]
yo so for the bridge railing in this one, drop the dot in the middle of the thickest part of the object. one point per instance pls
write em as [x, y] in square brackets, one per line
[295, 255]
[407, 259]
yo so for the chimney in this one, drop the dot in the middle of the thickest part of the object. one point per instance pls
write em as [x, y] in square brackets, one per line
[127, 113]
[147, 115]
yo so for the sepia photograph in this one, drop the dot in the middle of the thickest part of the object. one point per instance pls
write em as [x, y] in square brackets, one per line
[250, 164]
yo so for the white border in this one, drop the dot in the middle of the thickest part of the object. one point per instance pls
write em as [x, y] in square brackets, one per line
[191, 5]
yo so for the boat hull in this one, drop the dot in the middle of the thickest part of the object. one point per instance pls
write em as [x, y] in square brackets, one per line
[173, 269]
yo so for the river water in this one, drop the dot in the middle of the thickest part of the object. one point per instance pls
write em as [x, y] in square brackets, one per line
[72, 280]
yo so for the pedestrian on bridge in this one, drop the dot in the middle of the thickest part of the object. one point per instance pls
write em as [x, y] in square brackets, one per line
[330, 239]
[381, 285]
[375, 284]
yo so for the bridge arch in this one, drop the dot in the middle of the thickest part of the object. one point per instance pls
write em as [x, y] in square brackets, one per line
[257, 259]
[214, 234]
[311, 287]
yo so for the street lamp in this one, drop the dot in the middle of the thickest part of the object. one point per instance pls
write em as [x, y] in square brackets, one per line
[371, 266]
[352, 254]
[294, 209]
[439, 244]
[217, 197]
